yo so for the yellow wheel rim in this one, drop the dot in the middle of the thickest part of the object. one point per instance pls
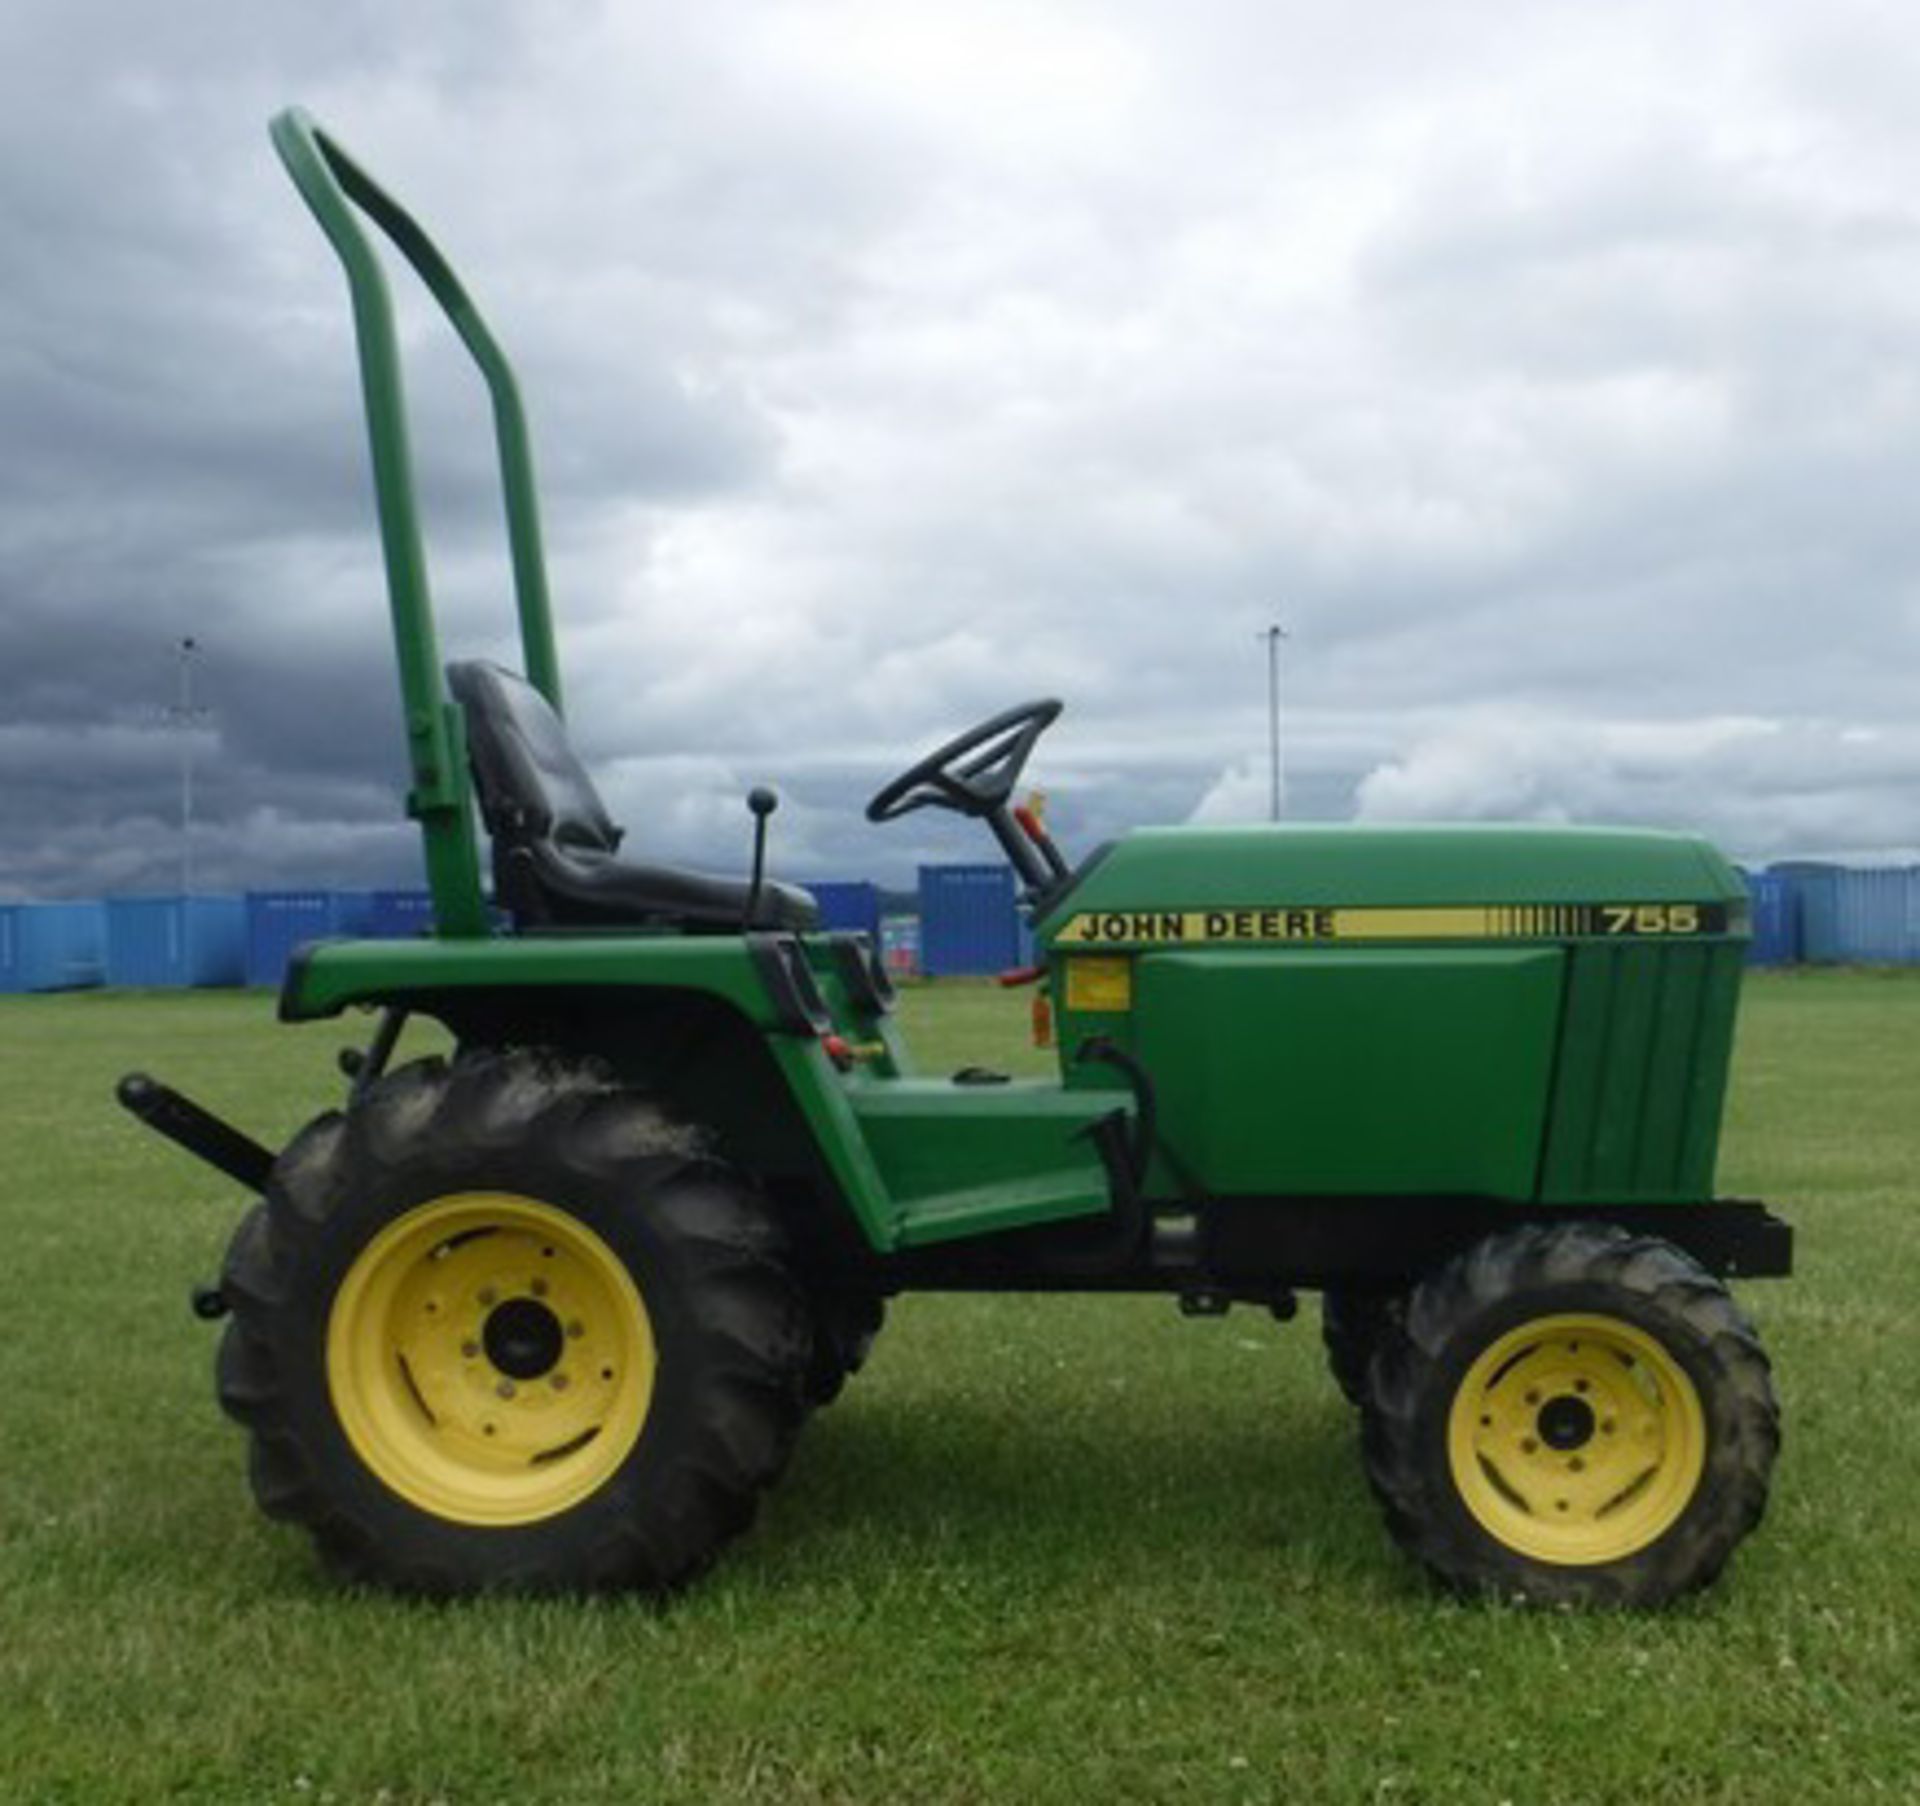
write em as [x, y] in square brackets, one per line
[1576, 1439]
[490, 1358]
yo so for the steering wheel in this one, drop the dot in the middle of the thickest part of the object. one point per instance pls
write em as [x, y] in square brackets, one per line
[974, 773]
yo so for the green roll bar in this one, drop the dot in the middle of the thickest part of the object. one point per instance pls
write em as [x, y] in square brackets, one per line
[333, 186]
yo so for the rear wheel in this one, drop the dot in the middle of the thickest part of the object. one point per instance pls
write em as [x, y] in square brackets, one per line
[845, 1325]
[498, 1325]
[1572, 1415]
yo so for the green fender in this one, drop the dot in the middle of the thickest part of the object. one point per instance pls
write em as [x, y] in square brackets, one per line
[914, 1160]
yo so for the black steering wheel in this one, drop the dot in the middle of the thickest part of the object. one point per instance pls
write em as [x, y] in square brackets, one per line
[974, 773]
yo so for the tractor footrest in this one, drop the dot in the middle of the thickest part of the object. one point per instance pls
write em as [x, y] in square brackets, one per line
[1079, 1191]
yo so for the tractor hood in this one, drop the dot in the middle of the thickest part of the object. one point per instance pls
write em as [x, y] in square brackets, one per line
[1284, 883]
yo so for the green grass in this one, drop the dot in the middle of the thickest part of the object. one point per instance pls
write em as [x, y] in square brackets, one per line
[1043, 1549]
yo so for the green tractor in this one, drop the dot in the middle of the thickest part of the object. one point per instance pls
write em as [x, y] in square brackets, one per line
[548, 1313]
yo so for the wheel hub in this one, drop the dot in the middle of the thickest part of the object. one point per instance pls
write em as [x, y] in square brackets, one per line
[490, 1358]
[1566, 1423]
[523, 1338]
[1576, 1438]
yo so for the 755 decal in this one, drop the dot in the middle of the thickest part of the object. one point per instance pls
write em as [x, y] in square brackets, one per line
[1660, 918]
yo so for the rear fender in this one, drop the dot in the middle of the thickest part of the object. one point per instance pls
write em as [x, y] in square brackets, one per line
[690, 1019]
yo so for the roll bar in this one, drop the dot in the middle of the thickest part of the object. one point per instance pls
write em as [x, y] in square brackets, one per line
[334, 186]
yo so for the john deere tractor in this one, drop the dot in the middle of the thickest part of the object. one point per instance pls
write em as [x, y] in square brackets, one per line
[548, 1313]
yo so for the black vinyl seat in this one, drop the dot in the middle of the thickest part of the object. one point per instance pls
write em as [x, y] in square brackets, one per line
[556, 850]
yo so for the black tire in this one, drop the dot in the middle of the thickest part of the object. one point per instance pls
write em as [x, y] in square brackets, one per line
[1497, 1332]
[845, 1325]
[721, 1322]
[1352, 1326]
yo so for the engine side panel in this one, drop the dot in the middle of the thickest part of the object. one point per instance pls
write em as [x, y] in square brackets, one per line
[1379, 1071]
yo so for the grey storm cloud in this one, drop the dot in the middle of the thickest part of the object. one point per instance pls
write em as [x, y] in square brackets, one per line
[1550, 373]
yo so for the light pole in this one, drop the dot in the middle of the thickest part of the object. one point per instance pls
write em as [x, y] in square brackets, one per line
[184, 717]
[1273, 636]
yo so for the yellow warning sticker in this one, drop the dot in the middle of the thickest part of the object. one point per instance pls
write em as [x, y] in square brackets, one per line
[1099, 984]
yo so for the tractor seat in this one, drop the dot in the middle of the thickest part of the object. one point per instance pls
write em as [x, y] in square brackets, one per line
[555, 848]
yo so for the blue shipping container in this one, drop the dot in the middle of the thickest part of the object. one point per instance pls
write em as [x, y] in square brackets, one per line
[1816, 894]
[176, 940]
[280, 920]
[57, 946]
[1776, 919]
[968, 922]
[399, 915]
[9, 947]
[1876, 917]
[848, 905]
[353, 911]
[1852, 917]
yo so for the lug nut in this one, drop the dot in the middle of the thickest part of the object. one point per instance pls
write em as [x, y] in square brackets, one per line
[505, 1388]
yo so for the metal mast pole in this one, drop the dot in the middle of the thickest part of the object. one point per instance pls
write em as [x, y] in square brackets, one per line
[185, 718]
[1273, 636]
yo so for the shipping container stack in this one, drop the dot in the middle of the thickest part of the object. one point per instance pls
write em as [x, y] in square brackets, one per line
[1839, 915]
[967, 923]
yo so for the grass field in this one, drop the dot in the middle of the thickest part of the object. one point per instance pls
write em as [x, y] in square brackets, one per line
[1044, 1549]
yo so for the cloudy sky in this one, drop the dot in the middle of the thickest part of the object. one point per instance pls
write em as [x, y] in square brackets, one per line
[1551, 371]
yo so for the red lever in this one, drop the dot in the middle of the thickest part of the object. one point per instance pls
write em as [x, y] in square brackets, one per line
[1021, 975]
[846, 1054]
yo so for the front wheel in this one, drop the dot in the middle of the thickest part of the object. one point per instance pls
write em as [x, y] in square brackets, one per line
[499, 1325]
[1353, 1325]
[1572, 1415]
